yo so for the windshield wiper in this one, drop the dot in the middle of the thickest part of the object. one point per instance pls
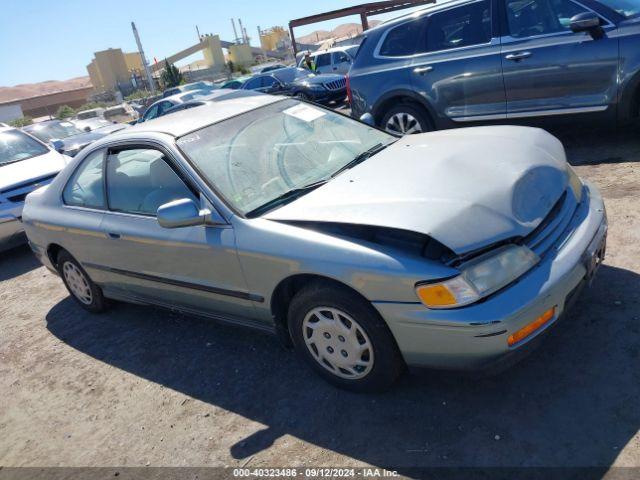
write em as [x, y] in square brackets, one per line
[286, 197]
[361, 158]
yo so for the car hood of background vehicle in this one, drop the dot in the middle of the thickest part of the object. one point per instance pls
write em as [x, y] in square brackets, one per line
[116, 127]
[82, 139]
[33, 168]
[318, 79]
[466, 188]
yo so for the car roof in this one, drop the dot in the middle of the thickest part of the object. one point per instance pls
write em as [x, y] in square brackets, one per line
[36, 126]
[5, 129]
[185, 121]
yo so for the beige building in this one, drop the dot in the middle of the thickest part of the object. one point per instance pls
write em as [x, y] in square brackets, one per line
[273, 38]
[112, 68]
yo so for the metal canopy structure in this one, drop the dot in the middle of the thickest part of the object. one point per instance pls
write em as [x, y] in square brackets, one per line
[365, 10]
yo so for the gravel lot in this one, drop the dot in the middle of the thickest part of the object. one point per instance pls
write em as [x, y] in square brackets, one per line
[140, 386]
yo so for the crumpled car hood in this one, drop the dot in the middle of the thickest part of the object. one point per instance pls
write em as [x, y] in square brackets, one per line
[466, 188]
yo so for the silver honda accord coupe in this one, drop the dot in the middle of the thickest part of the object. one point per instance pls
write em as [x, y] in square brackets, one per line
[367, 252]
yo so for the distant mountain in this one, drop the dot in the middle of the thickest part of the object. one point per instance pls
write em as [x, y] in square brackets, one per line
[344, 30]
[34, 89]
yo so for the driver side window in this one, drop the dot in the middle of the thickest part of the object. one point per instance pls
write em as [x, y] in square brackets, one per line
[530, 18]
[140, 181]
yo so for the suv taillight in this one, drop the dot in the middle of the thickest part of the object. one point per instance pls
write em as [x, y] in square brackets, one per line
[349, 95]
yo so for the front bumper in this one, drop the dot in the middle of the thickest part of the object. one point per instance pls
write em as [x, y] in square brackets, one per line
[11, 229]
[476, 336]
[329, 96]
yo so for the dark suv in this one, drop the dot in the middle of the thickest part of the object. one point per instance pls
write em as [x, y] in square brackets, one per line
[494, 60]
[300, 83]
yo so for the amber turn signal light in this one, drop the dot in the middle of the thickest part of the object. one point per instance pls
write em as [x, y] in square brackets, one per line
[532, 327]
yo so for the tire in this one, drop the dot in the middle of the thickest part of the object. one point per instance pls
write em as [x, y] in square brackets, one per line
[303, 96]
[80, 286]
[319, 318]
[405, 119]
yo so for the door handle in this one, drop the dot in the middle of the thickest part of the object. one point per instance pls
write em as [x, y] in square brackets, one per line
[115, 236]
[516, 57]
[422, 70]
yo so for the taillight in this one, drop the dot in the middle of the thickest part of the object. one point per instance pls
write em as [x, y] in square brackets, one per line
[349, 95]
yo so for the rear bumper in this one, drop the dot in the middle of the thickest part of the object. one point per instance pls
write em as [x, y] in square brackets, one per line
[475, 337]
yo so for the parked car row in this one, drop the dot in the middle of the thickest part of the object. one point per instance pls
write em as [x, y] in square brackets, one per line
[366, 251]
[69, 137]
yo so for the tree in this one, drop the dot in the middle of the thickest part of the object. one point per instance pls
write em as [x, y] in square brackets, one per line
[65, 111]
[170, 76]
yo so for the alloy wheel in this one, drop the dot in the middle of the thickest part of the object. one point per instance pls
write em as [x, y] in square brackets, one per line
[338, 343]
[403, 124]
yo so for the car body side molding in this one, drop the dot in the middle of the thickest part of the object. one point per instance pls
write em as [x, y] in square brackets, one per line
[194, 286]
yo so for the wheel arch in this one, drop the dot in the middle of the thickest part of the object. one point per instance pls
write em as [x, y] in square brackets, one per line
[53, 251]
[629, 104]
[395, 97]
[287, 289]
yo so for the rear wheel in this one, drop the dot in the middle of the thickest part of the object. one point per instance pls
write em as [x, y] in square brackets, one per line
[405, 119]
[343, 338]
[88, 295]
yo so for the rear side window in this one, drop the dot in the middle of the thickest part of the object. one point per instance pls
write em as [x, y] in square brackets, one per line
[459, 27]
[140, 181]
[323, 60]
[86, 186]
[401, 40]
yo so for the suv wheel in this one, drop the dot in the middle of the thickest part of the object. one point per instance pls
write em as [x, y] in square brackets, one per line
[343, 338]
[405, 119]
[80, 286]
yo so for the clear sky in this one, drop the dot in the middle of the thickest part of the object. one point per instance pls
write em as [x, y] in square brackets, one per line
[55, 39]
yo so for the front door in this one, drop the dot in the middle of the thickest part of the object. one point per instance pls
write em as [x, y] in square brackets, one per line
[457, 66]
[547, 68]
[190, 268]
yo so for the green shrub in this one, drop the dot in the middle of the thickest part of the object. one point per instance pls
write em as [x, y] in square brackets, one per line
[21, 122]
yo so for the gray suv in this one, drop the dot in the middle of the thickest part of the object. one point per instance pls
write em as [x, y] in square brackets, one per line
[494, 60]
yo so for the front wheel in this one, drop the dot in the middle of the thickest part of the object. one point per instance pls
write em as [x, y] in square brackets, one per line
[406, 119]
[343, 338]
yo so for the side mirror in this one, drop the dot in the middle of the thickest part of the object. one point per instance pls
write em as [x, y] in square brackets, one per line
[368, 119]
[181, 213]
[58, 145]
[586, 22]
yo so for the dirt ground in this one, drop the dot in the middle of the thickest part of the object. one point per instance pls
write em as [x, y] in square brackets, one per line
[139, 386]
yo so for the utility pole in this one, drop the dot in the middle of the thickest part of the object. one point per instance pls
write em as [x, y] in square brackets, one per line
[147, 70]
[198, 32]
